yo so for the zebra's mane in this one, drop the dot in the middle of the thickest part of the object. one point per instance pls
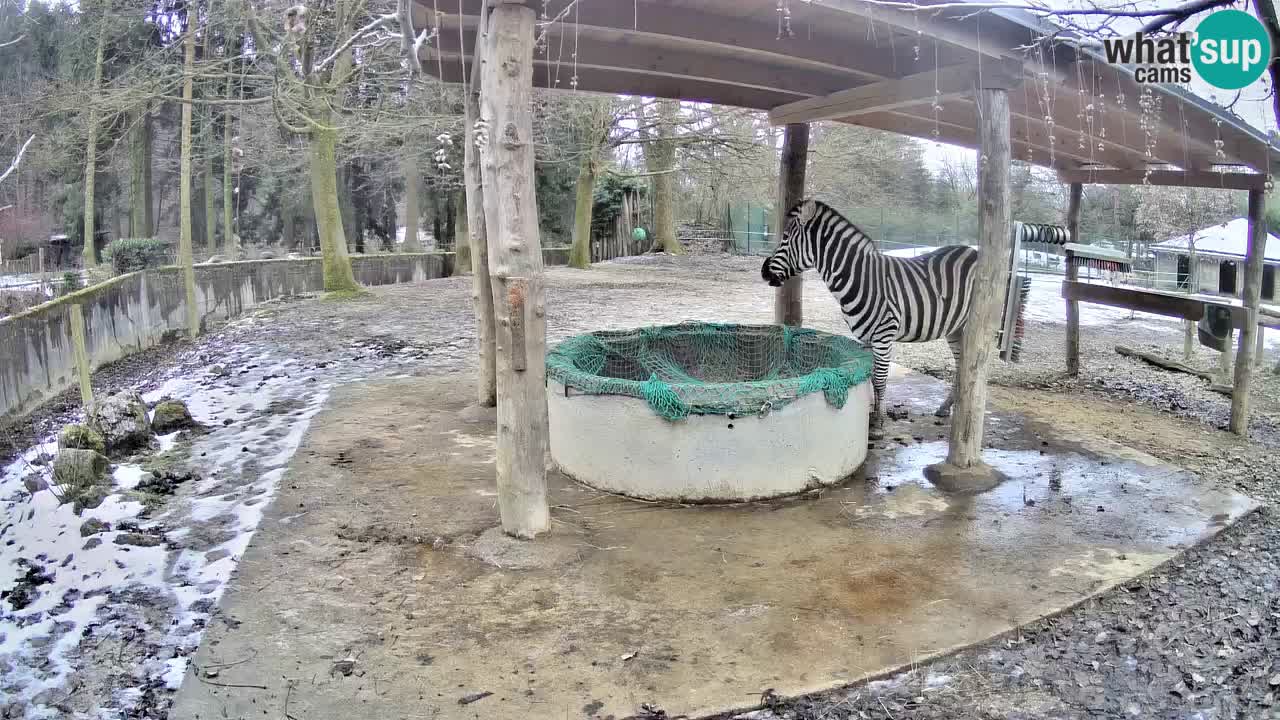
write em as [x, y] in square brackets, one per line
[863, 237]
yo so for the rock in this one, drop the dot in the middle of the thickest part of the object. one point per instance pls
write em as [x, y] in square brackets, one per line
[170, 415]
[213, 259]
[92, 543]
[138, 539]
[81, 437]
[76, 470]
[122, 421]
[266, 255]
[293, 256]
[34, 483]
[93, 526]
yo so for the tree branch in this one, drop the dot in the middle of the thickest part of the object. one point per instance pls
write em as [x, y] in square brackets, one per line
[17, 160]
[358, 35]
[14, 41]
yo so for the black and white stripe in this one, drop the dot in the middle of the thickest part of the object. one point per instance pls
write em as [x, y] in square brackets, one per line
[884, 299]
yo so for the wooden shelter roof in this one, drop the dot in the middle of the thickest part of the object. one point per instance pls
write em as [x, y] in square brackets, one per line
[855, 62]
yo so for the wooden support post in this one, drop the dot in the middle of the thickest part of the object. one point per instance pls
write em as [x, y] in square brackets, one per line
[1073, 274]
[40, 267]
[515, 262]
[788, 300]
[81, 354]
[964, 469]
[1261, 348]
[1252, 297]
[481, 288]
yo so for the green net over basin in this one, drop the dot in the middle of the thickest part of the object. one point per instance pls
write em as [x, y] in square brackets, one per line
[711, 369]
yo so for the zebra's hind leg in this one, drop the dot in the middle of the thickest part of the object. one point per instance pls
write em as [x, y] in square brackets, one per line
[879, 378]
[944, 410]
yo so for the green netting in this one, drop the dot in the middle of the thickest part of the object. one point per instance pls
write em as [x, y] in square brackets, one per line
[711, 369]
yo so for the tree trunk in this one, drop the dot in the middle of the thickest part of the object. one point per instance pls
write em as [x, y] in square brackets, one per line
[508, 166]
[184, 181]
[580, 251]
[139, 199]
[462, 245]
[210, 203]
[412, 197]
[228, 197]
[964, 468]
[660, 158]
[477, 236]
[148, 185]
[1251, 297]
[788, 301]
[91, 156]
[338, 276]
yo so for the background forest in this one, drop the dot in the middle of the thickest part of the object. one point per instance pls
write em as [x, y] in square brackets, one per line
[313, 123]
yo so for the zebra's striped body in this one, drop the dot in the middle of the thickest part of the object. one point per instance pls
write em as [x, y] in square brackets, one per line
[884, 299]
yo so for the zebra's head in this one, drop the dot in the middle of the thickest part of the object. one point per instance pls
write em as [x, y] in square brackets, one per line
[792, 256]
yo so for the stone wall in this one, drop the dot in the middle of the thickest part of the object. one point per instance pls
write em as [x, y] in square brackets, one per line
[133, 312]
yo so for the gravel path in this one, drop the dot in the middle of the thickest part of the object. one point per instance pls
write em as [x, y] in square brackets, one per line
[1195, 640]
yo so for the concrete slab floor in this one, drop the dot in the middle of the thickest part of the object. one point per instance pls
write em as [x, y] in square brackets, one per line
[374, 591]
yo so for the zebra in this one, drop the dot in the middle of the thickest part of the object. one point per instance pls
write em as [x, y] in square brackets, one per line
[884, 299]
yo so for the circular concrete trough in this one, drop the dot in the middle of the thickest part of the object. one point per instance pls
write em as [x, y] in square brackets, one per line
[617, 442]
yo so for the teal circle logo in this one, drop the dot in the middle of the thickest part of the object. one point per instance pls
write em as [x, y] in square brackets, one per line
[1232, 49]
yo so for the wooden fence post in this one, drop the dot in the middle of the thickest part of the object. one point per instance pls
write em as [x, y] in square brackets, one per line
[481, 288]
[964, 469]
[788, 300]
[515, 263]
[1252, 296]
[1073, 274]
[82, 355]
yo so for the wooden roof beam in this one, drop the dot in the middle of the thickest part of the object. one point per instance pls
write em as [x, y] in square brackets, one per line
[1174, 178]
[944, 84]
[744, 36]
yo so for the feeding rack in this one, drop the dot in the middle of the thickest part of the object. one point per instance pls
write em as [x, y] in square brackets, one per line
[706, 412]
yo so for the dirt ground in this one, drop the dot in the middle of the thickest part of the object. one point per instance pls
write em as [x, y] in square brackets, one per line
[1196, 639]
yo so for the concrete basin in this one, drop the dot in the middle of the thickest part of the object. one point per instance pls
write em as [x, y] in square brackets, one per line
[617, 444]
[608, 430]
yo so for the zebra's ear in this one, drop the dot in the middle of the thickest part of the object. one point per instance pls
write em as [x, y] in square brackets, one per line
[808, 209]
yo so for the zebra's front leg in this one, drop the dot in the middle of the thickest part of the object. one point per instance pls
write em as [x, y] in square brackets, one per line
[944, 410]
[879, 379]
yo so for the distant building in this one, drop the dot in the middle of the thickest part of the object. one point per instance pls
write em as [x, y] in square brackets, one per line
[1220, 254]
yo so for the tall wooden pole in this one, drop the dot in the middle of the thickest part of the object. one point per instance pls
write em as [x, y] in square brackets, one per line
[1252, 296]
[788, 301]
[964, 468]
[481, 288]
[515, 264]
[1073, 274]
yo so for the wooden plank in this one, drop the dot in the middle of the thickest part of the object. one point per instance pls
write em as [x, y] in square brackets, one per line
[1252, 296]
[507, 166]
[1156, 303]
[701, 30]
[788, 305]
[630, 53]
[1172, 178]
[1073, 274]
[994, 235]
[945, 84]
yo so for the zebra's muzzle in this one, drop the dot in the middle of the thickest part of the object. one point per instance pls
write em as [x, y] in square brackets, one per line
[769, 276]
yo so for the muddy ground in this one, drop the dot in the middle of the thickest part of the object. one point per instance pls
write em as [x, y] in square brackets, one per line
[1195, 640]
